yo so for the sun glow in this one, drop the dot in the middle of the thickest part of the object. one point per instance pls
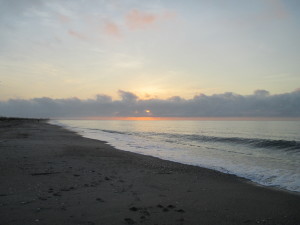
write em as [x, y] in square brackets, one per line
[126, 118]
[150, 118]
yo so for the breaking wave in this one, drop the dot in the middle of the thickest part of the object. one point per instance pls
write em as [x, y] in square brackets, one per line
[286, 145]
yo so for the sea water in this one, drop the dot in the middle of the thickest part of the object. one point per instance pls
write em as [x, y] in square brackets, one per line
[266, 152]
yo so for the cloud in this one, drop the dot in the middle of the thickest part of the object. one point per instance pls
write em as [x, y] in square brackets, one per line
[127, 96]
[112, 29]
[103, 98]
[261, 93]
[277, 9]
[260, 104]
[63, 19]
[136, 19]
[77, 35]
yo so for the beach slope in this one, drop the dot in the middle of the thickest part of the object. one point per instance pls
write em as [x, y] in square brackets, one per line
[49, 175]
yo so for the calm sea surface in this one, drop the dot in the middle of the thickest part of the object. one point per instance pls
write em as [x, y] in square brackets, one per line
[266, 152]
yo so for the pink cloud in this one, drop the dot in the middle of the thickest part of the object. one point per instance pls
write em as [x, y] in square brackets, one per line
[278, 9]
[133, 20]
[63, 18]
[76, 35]
[136, 19]
[112, 29]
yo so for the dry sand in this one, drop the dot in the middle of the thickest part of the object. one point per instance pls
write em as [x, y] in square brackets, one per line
[49, 175]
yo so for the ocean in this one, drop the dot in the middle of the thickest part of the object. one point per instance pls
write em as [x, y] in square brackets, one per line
[265, 152]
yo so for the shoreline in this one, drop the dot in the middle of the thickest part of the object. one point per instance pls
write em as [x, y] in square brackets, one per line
[222, 169]
[50, 175]
[243, 179]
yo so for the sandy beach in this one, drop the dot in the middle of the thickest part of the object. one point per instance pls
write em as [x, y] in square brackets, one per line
[49, 175]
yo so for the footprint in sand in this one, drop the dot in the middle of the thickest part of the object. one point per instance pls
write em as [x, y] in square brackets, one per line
[129, 221]
[100, 200]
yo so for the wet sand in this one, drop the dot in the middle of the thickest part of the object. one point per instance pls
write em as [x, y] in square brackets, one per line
[49, 175]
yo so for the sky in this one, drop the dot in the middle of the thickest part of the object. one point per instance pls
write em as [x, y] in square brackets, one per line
[152, 50]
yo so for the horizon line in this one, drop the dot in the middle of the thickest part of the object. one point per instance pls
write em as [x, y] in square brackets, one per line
[128, 118]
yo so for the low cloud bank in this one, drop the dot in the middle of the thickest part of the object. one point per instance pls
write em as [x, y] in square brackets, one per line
[260, 104]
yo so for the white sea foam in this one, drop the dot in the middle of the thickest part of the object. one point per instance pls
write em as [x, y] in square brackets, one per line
[217, 147]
